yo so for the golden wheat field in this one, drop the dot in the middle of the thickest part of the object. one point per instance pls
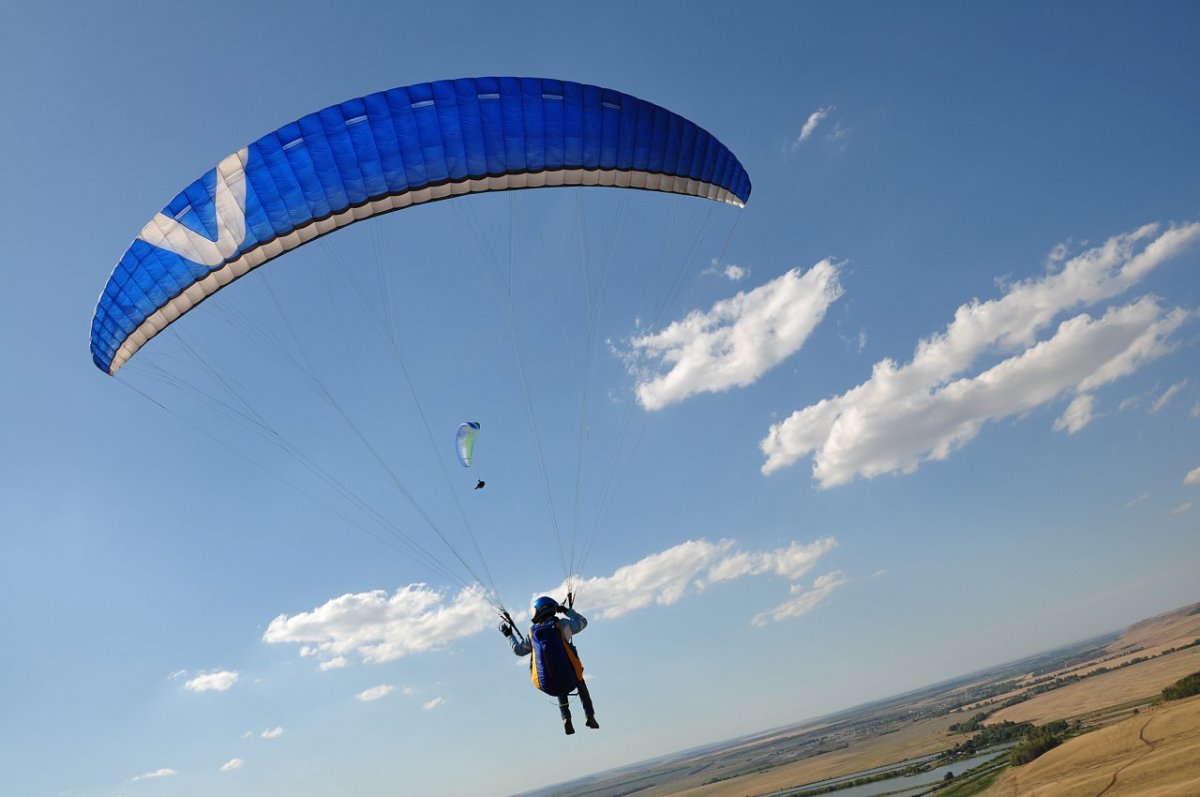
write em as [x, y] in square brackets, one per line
[1154, 753]
[1140, 681]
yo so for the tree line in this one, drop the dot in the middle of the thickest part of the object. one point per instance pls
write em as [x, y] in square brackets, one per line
[1185, 687]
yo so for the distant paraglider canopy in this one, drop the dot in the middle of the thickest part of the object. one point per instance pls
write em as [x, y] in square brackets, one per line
[371, 155]
[464, 442]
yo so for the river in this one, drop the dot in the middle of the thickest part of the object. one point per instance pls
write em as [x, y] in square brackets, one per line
[900, 786]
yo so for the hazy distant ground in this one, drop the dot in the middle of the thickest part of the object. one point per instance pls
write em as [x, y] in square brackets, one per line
[1139, 749]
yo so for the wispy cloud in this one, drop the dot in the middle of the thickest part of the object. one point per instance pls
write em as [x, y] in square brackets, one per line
[1057, 254]
[804, 600]
[1129, 403]
[212, 682]
[926, 409]
[1079, 413]
[379, 627]
[736, 341]
[336, 663]
[1166, 397]
[1130, 504]
[731, 272]
[232, 764]
[1179, 510]
[430, 705]
[374, 693]
[1192, 477]
[810, 125]
[272, 733]
[165, 772]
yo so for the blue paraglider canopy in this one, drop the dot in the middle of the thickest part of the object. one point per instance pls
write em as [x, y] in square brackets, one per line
[388, 151]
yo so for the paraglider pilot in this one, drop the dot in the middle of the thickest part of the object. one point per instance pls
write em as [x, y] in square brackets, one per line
[555, 668]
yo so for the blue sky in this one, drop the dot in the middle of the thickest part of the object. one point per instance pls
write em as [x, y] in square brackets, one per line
[928, 403]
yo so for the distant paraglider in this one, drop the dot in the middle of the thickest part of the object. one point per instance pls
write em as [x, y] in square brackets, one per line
[464, 442]
[464, 445]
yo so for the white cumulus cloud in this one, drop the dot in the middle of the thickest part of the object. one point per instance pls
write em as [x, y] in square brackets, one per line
[212, 682]
[430, 705]
[336, 663]
[374, 693]
[1192, 477]
[929, 407]
[379, 627]
[792, 562]
[691, 567]
[736, 341]
[272, 733]
[165, 772]
[232, 764]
